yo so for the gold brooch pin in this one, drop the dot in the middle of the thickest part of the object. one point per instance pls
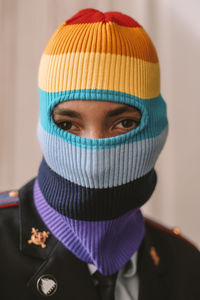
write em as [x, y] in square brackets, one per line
[38, 238]
[154, 256]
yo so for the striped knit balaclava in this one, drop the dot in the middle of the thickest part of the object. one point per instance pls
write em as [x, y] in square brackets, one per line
[89, 191]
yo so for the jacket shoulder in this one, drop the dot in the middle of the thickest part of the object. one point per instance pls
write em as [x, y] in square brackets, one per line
[9, 217]
[171, 234]
[9, 199]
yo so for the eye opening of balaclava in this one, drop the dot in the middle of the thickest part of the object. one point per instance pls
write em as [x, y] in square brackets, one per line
[116, 140]
[95, 187]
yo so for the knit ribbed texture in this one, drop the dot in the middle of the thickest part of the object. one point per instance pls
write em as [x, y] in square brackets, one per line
[106, 244]
[100, 55]
[89, 190]
[106, 57]
[81, 203]
[101, 168]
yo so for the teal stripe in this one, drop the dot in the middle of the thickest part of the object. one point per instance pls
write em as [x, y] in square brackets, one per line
[153, 114]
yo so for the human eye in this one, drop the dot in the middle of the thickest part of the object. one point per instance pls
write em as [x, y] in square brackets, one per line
[127, 124]
[65, 125]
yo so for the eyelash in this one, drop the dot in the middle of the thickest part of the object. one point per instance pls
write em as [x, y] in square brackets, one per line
[132, 120]
[63, 124]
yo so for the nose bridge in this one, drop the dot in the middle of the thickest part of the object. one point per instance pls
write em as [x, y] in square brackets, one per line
[95, 132]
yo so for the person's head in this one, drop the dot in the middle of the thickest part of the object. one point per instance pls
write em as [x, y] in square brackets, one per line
[93, 64]
[99, 88]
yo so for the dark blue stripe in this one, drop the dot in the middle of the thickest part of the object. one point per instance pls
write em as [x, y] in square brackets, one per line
[77, 202]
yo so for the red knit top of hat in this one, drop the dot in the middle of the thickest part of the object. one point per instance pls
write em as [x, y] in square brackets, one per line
[90, 15]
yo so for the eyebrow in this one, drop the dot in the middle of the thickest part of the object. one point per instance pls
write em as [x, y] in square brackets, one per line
[67, 112]
[120, 110]
[112, 113]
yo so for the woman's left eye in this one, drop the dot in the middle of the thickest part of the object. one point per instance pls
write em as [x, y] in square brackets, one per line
[65, 125]
[128, 123]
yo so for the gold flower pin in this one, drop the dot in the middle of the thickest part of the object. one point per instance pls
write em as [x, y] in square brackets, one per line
[38, 238]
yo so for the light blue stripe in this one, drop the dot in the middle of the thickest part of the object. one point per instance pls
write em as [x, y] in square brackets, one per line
[4, 196]
[153, 114]
[100, 168]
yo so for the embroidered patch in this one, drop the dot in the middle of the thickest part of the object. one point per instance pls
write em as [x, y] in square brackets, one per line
[38, 238]
[9, 198]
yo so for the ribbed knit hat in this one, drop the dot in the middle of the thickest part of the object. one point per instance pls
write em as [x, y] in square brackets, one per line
[95, 52]
[96, 183]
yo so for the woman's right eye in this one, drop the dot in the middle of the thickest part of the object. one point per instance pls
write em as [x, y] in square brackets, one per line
[66, 125]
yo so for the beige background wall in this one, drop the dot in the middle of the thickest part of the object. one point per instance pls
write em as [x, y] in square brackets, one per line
[174, 26]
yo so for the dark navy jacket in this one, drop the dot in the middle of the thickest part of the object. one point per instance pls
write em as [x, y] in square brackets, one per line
[175, 275]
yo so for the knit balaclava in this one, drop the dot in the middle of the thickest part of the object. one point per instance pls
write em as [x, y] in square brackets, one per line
[89, 191]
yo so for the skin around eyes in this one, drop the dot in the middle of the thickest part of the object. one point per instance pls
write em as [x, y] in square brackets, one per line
[96, 119]
[122, 126]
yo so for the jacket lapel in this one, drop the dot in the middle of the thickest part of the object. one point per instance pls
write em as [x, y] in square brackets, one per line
[29, 218]
[54, 260]
[152, 271]
[71, 274]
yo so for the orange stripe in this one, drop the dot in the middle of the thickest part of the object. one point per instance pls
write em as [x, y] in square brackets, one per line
[102, 38]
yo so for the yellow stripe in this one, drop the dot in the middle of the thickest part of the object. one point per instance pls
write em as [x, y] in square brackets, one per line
[75, 71]
[104, 38]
